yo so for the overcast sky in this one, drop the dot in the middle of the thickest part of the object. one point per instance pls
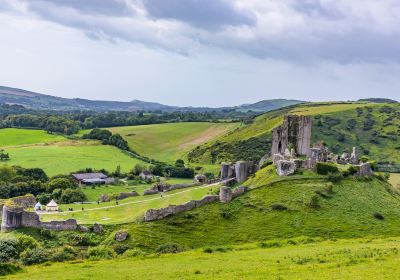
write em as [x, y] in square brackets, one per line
[202, 52]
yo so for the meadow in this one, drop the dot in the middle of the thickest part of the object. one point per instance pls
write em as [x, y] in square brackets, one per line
[10, 137]
[128, 210]
[69, 156]
[172, 141]
[301, 258]
[395, 180]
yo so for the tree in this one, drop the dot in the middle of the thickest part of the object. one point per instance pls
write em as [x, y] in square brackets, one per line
[7, 173]
[180, 163]
[61, 183]
[71, 196]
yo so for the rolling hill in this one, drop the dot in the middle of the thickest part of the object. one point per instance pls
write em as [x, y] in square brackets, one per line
[39, 101]
[373, 127]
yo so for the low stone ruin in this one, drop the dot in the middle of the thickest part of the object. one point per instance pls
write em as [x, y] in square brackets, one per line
[364, 169]
[285, 167]
[241, 170]
[163, 187]
[121, 236]
[226, 195]
[14, 217]
[122, 196]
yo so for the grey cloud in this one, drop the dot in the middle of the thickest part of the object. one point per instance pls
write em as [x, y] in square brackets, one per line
[207, 14]
[100, 7]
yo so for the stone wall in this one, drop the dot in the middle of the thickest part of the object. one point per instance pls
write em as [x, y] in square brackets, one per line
[226, 195]
[158, 214]
[14, 217]
[241, 170]
[27, 201]
[294, 132]
[122, 196]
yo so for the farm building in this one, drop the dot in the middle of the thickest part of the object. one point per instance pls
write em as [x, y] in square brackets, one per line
[91, 178]
[52, 206]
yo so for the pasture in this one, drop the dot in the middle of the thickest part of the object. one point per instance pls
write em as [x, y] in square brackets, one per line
[395, 180]
[10, 137]
[70, 156]
[301, 258]
[128, 210]
[172, 141]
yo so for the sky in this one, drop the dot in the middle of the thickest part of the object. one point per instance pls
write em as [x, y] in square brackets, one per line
[202, 52]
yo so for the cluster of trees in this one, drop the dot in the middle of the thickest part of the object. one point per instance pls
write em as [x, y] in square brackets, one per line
[107, 138]
[69, 122]
[17, 181]
[4, 155]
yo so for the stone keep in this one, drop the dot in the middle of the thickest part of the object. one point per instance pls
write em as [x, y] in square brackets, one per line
[294, 132]
[226, 170]
[285, 167]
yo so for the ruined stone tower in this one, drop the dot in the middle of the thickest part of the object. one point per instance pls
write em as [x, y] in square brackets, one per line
[294, 133]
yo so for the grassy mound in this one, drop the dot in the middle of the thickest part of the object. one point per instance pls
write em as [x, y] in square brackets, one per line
[292, 259]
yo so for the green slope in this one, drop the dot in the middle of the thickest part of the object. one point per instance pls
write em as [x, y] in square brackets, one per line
[372, 126]
[336, 259]
[15, 137]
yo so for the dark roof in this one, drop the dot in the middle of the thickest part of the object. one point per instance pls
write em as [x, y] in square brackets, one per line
[86, 176]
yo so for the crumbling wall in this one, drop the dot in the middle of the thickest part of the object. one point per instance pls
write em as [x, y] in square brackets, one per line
[122, 196]
[241, 170]
[27, 201]
[14, 217]
[158, 214]
[167, 188]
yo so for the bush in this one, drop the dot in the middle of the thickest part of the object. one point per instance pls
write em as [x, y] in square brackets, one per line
[84, 239]
[8, 249]
[132, 253]
[120, 249]
[352, 169]
[66, 253]
[379, 216]
[208, 250]
[170, 248]
[279, 207]
[314, 202]
[226, 213]
[71, 196]
[9, 268]
[26, 242]
[335, 177]
[61, 183]
[266, 164]
[324, 168]
[101, 252]
[34, 256]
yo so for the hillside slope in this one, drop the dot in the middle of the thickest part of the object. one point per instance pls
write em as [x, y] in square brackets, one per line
[374, 127]
[346, 213]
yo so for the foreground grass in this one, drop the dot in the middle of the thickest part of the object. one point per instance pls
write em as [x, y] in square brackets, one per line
[338, 259]
[10, 137]
[169, 142]
[70, 156]
[128, 210]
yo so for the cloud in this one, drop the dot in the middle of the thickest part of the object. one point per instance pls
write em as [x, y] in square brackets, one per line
[208, 14]
[289, 30]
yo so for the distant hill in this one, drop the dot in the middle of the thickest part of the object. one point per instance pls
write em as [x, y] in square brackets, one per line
[378, 100]
[37, 101]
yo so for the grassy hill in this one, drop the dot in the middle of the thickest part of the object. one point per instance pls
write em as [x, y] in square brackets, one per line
[58, 155]
[335, 259]
[172, 141]
[374, 127]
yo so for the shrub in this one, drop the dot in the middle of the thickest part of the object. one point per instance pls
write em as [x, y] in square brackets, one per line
[8, 249]
[314, 202]
[379, 216]
[84, 239]
[101, 252]
[270, 244]
[226, 213]
[266, 164]
[208, 250]
[279, 207]
[26, 242]
[132, 253]
[352, 169]
[335, 177]
[9, 268]
[329, 188]
[66, 253]
[170, 248]
[326, 168]
[71, 196]
[121, 248]
[34, 256]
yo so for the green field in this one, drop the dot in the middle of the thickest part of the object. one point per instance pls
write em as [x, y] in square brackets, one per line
[94, 192]
[128, 210]
[169, 142]
[285, 259]
[70, 156]
[16, 137]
